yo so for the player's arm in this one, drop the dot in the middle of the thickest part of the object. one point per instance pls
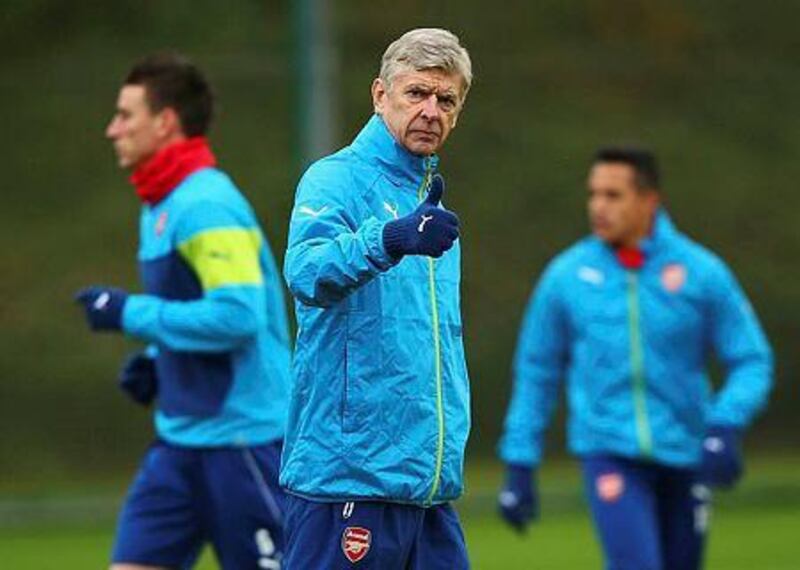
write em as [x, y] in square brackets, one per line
[742, 348]
[224, 256]
[539, 364]
[329, 254]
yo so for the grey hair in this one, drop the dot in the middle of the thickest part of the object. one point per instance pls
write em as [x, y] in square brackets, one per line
[427, 48]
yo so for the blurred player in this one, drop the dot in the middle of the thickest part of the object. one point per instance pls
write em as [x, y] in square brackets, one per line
[213, 313]
[379, 415]
[630, 316]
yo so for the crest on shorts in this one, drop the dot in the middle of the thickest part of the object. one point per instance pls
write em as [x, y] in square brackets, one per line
[161, 224]
[610, 486]
[356, 541]
[673, 276]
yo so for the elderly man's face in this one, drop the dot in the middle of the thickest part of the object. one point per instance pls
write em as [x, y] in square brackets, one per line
[419, 108]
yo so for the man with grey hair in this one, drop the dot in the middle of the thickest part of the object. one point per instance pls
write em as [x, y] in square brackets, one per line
[379, 415]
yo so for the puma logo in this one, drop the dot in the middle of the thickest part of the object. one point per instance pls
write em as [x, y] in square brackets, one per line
[393, 211]
[425, 220]
[102, 301]
[311, 212]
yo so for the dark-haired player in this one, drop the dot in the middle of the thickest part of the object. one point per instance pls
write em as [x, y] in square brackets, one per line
[629, 316]
[213, 315]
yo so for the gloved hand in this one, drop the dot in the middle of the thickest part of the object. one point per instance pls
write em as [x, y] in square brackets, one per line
[518, 500]
[722, 457]
[103, 306]
[138, 378]
[428, 230]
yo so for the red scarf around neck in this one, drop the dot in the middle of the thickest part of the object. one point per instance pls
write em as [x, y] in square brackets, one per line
[630, 257]
[161, 173]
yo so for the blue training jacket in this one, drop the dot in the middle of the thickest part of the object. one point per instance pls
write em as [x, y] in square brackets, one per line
[380, 404]
[214, 312]
[634, 346]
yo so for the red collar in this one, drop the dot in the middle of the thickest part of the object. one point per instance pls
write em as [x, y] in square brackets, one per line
[159, 175]
[630, 257]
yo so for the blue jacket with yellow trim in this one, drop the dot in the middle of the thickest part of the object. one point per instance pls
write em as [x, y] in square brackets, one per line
[634, 346]
[214, 308]
[380, 403]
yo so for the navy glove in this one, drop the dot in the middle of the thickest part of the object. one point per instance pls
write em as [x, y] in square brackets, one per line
[138, 378]
[518, 500]
[103, 307]
[722, 457]
[428, 230]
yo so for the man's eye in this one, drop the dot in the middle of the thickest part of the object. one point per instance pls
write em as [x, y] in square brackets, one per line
[447, 103]
[416, 93]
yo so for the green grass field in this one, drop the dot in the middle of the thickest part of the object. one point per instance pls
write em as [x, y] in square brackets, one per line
[755, 527]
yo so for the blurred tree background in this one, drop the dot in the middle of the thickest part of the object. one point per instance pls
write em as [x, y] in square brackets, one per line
[709, 85]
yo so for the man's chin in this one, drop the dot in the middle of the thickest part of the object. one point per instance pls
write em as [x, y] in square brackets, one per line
[606, 236]
[125, 163]
[122, 161]
[423, 148]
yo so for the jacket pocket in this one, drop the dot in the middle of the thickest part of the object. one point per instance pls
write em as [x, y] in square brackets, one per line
[346, 397]
[362, 365]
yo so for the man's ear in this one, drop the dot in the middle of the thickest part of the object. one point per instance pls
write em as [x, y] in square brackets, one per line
[169, 123]
[378, 95]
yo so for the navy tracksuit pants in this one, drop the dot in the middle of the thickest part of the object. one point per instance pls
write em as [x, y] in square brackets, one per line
[647, 516]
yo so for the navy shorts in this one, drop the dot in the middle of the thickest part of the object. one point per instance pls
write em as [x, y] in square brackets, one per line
[367, 535]
[648, 516]
[183, 498]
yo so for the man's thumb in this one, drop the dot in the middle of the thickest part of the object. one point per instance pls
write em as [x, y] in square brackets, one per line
[436, 190]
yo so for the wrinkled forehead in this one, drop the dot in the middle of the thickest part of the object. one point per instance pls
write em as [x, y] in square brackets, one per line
[435, 78]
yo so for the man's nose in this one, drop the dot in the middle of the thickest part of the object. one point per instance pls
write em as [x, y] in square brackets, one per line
[430, 107]
[112, 129]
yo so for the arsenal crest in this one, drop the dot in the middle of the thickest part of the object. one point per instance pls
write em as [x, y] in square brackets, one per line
[356, 541]
[610, 487]
[673, 276]
[161, 224]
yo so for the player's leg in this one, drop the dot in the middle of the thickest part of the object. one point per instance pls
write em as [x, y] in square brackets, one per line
[245, 506]
[623, 503]
[684, 506]
[440, 543]
[158, 526]
[363, 535]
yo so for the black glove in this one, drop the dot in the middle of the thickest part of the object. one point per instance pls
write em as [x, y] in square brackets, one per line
[722, 457]
[103, 307]
[518, 500]
[428, 230]
[138, 378]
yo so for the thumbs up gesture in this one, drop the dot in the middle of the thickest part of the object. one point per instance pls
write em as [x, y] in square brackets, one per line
[429, 230]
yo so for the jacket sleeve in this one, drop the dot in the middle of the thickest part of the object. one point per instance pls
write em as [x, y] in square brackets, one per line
[224, 256]
[539, 364]
[330, 253]
[742, 347]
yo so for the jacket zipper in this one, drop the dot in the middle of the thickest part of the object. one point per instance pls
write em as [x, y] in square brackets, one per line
[643, 433]
[437, 352]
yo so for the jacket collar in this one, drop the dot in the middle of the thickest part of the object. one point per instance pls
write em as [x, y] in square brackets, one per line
[170, 166]
[377, 146]
[663, 233]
